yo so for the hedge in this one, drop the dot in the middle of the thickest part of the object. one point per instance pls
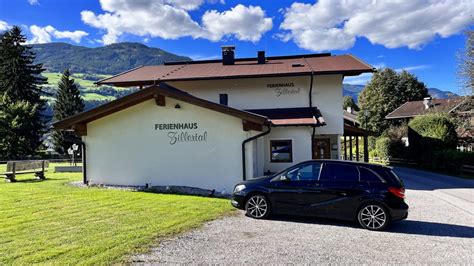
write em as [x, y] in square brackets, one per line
[450, 161]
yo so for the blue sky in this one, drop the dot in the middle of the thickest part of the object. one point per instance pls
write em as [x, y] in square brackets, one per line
[422, 36]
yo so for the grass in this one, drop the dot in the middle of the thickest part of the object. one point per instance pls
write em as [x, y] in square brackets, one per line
[52, 222]
[96, 97]
[53, 79]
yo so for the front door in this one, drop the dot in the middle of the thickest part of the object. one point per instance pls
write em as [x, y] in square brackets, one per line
[321, 148]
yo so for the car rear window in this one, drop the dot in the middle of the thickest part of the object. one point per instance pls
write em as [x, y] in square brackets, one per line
[368, 175]
[395, 177]
[340, 172]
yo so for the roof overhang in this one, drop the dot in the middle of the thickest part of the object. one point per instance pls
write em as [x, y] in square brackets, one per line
[301, 116]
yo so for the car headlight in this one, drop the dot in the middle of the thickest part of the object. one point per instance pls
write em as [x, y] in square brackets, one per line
[239, 188]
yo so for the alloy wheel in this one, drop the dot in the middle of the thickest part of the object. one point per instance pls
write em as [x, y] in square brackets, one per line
[373, 217]
[257, 207]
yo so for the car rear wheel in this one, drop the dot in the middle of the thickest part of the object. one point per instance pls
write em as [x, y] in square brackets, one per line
[374, 217]
[258, 207]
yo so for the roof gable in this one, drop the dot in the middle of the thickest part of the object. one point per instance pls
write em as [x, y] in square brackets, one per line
[157, 92]
[414, 108]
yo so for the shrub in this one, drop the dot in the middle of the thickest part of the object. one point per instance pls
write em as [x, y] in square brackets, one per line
[451, 161]
[437, 131]
[386, 148]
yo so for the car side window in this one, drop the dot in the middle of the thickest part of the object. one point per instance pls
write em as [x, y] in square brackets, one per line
[368, 175]
[305, 172]
[340, 172]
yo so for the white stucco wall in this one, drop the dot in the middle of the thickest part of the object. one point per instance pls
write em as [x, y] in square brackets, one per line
[254, 93]
[125, 149]
[301, 140]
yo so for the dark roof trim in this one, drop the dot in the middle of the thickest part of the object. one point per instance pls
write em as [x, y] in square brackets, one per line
[149, 93]
[150, 82]
[248, 59]
[125, 72]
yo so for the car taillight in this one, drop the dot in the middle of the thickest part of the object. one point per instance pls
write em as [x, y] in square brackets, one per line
[398, 192]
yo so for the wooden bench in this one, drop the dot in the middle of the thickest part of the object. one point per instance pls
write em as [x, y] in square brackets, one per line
[38, 167]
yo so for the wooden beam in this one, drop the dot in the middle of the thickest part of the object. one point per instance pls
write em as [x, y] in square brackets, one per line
[345, 147]
[366, 149]
[357, 148]
[247, 125]
[350, 148]
[159, 99]
[80, 129]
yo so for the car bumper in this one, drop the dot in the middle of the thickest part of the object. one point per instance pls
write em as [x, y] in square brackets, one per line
[399, 213]
[238, 201]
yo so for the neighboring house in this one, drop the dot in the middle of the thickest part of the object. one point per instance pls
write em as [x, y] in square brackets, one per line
[461, 108]
[213, 123]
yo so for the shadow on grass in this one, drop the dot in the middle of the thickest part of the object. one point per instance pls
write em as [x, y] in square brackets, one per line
[411, 227]
[35, 180]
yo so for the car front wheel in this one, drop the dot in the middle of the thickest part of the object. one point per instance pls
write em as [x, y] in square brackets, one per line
[258, 207]
[374, 217]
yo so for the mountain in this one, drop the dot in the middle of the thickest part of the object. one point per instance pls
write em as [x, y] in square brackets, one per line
[439, 94]
[110, 59]
[354, 90]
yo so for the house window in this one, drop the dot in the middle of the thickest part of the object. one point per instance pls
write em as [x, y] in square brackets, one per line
[223, 98]
[281, 151]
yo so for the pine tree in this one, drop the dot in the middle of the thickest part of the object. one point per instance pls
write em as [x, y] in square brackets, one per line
[22, 124]
[18, 129]
[68, 103]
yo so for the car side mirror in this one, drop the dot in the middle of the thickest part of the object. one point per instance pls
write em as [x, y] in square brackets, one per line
[285, 178]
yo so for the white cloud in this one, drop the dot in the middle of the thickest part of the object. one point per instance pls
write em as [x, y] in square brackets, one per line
[412, 68]
[246, 23]
[33, 2]
[4, 26]
[45, 34]
[186, 4]
[335, 24]
[170, 20]
[362, 79]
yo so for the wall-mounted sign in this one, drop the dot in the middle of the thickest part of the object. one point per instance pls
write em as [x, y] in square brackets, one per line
[176, 132]
[284, 88]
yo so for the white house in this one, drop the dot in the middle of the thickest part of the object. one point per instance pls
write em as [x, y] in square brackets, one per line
[213, 123]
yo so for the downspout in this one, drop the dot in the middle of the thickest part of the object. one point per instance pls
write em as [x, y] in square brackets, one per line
[311, 105]
[244, 169]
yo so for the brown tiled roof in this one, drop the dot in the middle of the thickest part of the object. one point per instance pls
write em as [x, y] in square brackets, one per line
[214, 69]
[161, 90]
[350, 117]
[414, 108]
[304, 116]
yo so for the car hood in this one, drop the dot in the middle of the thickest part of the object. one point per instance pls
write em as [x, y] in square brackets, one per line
[256, 180]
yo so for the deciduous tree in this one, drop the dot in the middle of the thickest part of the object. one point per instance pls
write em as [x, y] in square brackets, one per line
[386, 91]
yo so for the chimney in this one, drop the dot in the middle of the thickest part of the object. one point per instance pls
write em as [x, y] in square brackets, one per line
[261, 57]
[228, 55]
[427, 102]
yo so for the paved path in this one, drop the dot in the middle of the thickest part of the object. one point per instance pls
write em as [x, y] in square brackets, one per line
[440, 229]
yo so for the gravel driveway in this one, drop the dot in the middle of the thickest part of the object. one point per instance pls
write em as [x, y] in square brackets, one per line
[439, 229]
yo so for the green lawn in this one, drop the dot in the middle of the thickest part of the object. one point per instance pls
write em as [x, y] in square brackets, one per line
[51, 222]
[53, 79]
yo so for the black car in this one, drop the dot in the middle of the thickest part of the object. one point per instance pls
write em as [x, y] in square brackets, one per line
[371, 194]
